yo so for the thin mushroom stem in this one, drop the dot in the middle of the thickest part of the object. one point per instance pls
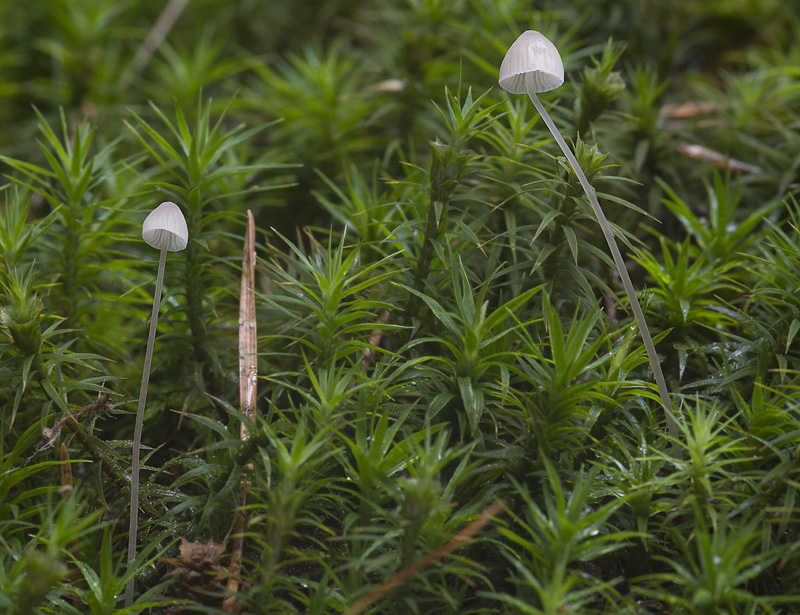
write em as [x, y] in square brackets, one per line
[137, 431]
[621, 268]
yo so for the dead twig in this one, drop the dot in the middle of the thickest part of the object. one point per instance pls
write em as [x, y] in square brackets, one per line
[248, 384]
[159, 32]
[717, 160]
[421, 564]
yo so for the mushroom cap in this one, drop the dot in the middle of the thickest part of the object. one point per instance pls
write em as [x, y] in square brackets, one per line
[166, 222]
[532, 63]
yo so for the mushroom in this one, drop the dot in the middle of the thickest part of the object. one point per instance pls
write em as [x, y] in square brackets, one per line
[532, 65]
[164, 229]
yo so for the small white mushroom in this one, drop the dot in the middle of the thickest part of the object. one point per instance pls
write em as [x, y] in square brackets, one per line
[531, 65]
[164, 229]
[166, 223]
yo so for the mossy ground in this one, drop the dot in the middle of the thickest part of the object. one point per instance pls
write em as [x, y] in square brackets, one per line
[440, 329]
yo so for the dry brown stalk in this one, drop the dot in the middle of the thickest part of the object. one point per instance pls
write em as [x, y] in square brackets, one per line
[716, 159]
[368, 356]
[689, 110]
[431, 558]
[166, 20]
[66, 488]
[64, 471]
[248, 381]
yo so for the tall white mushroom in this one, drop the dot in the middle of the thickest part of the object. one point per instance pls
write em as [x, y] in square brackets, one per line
[164, 229]
[531, 65]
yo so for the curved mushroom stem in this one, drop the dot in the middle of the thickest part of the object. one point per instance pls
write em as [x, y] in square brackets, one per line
[137, 430]
[623, 271]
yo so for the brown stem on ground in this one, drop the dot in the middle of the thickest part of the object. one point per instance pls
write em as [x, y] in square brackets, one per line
[158, 33]
[431, 558]
[248, 381]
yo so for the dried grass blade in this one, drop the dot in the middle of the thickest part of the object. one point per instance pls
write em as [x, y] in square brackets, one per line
[429, 559]
[248, 379]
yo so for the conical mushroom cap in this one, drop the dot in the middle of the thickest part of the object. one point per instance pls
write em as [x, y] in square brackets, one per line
[532, 63]
[166, 220]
